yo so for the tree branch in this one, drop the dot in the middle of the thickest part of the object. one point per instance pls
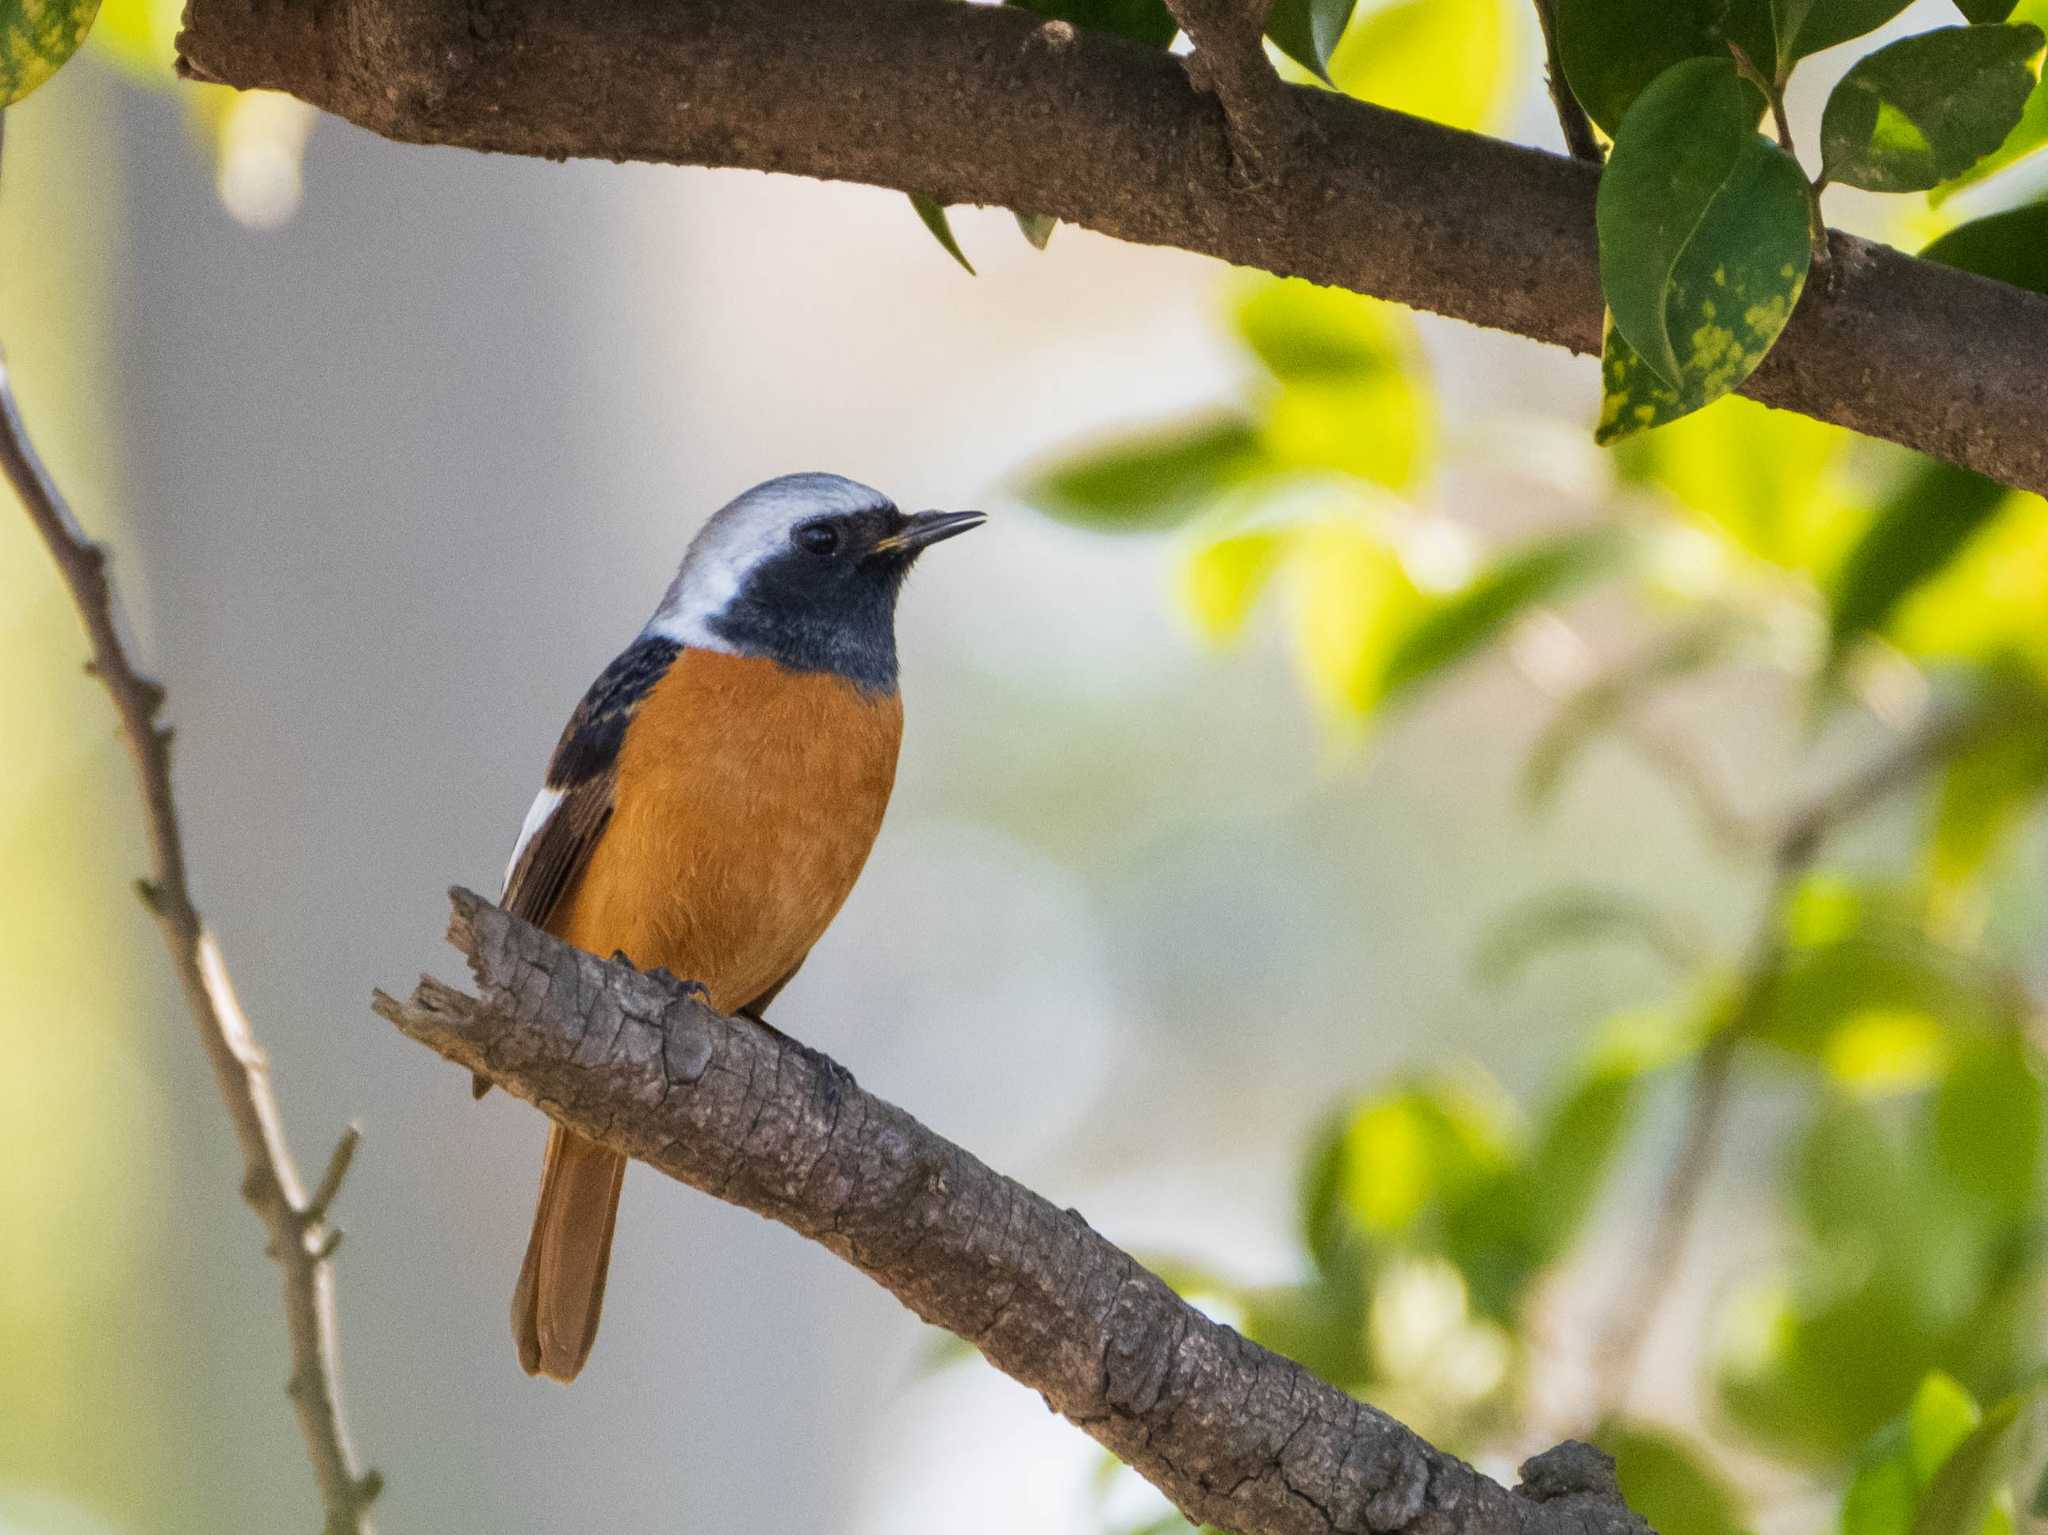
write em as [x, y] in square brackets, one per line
[1234, 1435]
[299, 1237]
[1229, 62]
[991, 104]
[1580, 142]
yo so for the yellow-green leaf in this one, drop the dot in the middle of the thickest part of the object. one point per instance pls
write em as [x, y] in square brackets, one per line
[1769, 482]
[1922, 526]
[1942, 1416]
[1703, 233]
[1354, 602]
[1221, 580]
[1452, 61]
[1304, 332]
[1986, 603]
[36, 38]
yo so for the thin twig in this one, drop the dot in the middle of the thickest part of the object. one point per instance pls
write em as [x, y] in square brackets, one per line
[1683, 764]
[1803, 834]
[1579, 137]
[1616, 697]
[270, 1180]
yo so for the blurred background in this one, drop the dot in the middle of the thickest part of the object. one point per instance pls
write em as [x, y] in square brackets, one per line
[1334, 829]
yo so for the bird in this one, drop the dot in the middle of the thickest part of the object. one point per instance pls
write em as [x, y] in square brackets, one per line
[710, 804]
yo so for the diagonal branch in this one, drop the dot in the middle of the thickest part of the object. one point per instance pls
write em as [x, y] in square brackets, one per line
[1236, 1436]
[300, 1240]
[991, 104]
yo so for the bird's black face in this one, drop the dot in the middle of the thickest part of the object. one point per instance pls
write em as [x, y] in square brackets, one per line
[827, 601]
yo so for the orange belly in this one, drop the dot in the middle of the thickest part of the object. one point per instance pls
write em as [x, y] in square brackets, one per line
[747, 798]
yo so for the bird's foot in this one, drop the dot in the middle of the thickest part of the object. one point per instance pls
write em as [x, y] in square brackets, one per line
[833, 1079]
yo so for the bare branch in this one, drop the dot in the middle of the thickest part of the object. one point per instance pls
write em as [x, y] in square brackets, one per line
[270, 1179]
[991, 104]
[1234, 1435]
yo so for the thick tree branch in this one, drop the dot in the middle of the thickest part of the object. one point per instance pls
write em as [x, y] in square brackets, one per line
[300, 1239]
[1236, 1436]
[990, 104]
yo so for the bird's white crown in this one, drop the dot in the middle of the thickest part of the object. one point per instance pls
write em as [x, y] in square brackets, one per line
[754, 526]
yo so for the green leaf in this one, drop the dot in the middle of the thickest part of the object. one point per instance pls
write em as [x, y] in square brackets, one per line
[1808, 26]
[1457, 627]
[1142, 21]
[1919, 529]
[1036, 227]
[1308, 31]
[1353, 400]
[1881, 1495]
[1927, 108]
[2011, 247]
[1574, 1152]
[1670, 1483]
[1703, 234]
[1355, 601]
[1221, 580]
[1451, 61]
[1767, 483]
[1612, 49]
[2029, 136]
[1632, 397]
[1149, 481]
[1305, 333]
[1414, 1147]
[933, 212]
[1985, 793]
[1942, 1416]
[1867, 990]
[1958, 1500]
[1984, 11]
[1986, 1128]
[36, 37]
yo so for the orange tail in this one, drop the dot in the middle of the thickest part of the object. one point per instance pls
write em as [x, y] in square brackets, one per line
[561, 1285]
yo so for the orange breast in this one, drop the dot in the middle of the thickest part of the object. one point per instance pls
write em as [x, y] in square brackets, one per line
[747, 798]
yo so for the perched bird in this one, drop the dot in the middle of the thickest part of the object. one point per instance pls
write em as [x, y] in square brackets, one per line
[710, 805]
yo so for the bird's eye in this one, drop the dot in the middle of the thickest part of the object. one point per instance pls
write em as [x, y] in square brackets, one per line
[817, 538]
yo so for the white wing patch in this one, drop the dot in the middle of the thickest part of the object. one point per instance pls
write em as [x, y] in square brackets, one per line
[544, 805]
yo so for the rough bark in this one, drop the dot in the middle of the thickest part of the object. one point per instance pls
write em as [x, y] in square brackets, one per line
[987, 104]
[1235, 1435]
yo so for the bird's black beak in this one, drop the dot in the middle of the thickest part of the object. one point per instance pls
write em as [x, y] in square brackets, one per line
[924, 528]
